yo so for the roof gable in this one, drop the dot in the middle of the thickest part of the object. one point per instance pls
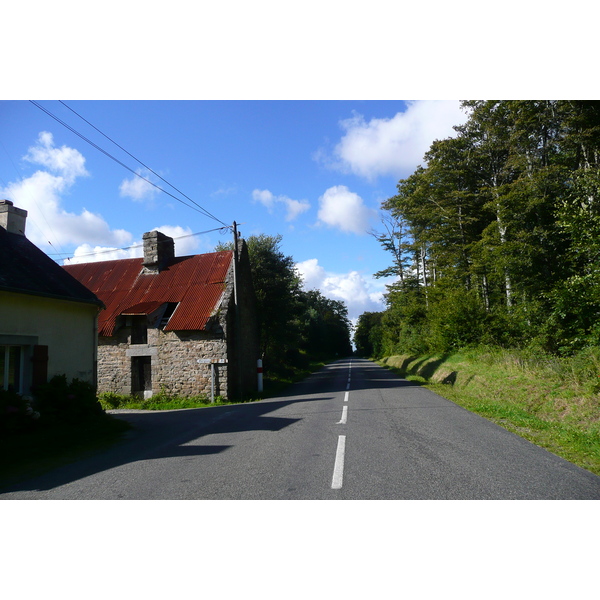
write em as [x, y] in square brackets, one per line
[196, 283]
[25, 269]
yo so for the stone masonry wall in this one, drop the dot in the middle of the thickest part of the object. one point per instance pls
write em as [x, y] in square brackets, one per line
[177, 369]
[175, 360]
[114, 368]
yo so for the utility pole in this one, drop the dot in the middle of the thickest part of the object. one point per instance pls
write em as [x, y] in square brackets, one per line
[235, 264]
[237, 334]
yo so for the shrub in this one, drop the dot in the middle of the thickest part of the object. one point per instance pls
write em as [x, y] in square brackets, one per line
[16, 413]
[456, 319]
[61, 401]
[110, 400]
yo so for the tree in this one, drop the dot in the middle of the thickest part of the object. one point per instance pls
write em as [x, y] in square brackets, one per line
[575, 316]
[367, 335]
[497, 237]
[393, 239]
[325, 327]
[278, 296]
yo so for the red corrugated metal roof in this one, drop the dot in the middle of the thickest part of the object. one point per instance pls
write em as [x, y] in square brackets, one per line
[143, 308]
[196, 283]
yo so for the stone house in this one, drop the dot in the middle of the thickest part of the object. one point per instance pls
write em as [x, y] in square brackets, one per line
[48, 320]
[183, 325]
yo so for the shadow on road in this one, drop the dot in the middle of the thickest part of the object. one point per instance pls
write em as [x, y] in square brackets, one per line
[163, 434]
[373, 376]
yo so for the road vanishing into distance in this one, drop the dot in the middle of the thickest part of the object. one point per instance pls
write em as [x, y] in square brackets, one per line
[353, 430]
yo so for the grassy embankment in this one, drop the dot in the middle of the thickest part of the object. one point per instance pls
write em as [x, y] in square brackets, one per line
[552, 402]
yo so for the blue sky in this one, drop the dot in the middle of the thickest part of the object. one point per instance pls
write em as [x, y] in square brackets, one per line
[314, 172]
[259, 121]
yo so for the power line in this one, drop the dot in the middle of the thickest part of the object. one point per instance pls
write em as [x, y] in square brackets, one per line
[140, 162]
[107, 251]
[200, 209]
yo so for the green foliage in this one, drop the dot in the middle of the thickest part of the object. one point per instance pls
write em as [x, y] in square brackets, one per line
[324, 326]
[160, 401]
[67, 402]
[404, 322]
[277, 289]
[497, 239]
[367, 335]
[16, 413]
[456, 319]
[111, 401]
[166, 401]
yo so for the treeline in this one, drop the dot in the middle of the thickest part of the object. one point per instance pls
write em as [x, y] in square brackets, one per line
[496, 240]
[296, 326]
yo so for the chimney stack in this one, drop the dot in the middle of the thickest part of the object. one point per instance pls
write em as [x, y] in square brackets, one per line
[159, 250]
[12, 218]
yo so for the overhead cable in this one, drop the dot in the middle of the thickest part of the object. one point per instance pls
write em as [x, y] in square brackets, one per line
[140, 162]
[200, 209]
[108, 250]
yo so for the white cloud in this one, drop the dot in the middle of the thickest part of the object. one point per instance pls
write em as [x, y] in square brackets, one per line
[294, 208]
[85, 253]
[69, 162]
[184, 246]
[357, 292]
[345, 210]
[188, 244]
[265, 197]
[313, 274]
[394, 146]
[138, 189]
[41, 196]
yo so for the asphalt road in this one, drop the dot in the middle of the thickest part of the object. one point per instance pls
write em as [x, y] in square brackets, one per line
[351, 431]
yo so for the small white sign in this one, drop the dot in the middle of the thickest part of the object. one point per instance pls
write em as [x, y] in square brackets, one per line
[208, 361]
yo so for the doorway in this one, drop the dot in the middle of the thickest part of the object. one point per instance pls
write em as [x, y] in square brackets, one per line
[141, 376]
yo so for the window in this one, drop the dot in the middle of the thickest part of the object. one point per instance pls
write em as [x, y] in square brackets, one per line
[171, 306]
[139, 329]
[11, 368]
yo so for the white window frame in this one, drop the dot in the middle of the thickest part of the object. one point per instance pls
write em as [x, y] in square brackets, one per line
[6, 350]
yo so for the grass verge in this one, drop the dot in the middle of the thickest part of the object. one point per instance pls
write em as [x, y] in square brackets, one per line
[161, 401]
[274, 384]
[551, 402]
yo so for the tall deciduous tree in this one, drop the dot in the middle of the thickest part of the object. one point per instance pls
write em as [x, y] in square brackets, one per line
[325, 326]
[277, 288]
[367, 335]
[501, 229]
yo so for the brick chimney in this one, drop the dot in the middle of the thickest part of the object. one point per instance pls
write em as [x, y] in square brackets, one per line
[159, 250]
[12, 218]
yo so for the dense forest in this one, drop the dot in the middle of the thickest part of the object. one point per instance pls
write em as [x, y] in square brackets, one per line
[496, 239]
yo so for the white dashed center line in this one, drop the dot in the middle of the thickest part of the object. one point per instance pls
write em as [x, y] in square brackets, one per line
[338, 469]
